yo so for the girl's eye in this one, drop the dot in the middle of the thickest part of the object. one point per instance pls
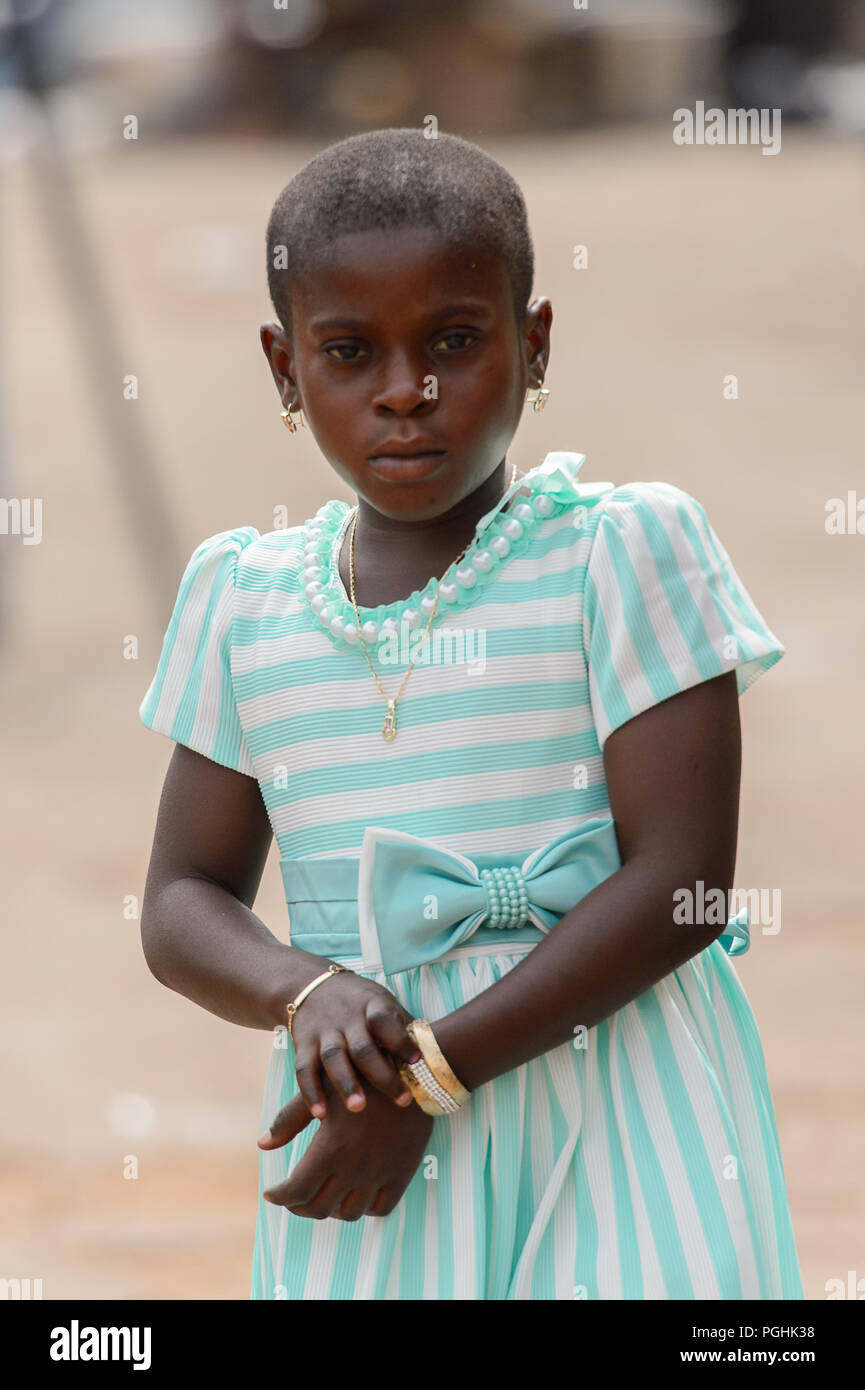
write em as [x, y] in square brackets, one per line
[456, 333]
[342, 347]
[456, 340]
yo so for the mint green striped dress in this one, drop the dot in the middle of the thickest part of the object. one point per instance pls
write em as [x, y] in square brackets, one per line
[644, 1164]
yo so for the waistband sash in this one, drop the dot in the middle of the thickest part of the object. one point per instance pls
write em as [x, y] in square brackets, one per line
[405, 902]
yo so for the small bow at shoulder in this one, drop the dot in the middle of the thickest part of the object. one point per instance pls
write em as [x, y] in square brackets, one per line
[556, 477]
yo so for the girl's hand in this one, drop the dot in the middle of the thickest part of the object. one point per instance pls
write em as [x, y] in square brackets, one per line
[357, 1165]
[351, 1020]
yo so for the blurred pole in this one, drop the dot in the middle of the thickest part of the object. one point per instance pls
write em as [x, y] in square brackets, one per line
[4, 485]
[151, 524]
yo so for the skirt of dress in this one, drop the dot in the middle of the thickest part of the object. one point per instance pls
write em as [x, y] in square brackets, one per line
[640, 1162]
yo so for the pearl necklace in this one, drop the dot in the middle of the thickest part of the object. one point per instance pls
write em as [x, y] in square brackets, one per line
[504, 536]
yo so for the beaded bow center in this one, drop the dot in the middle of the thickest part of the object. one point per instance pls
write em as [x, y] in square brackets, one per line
[507, 896]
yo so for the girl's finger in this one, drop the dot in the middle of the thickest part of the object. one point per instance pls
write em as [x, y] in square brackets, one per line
[303, 1190]
[326, 1200]
[369, 1059]
[291, 1119]
[389, 1030]
[335, 1060]
[291, 1193]
[356, 1204]
[383, 1204]
[307, 1070]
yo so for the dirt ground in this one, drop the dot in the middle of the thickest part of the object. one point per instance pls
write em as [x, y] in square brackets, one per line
[702, 262]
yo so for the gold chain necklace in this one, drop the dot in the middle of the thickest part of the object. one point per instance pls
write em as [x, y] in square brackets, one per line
[388, 728]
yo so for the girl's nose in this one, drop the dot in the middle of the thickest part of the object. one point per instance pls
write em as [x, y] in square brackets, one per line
[402, 387]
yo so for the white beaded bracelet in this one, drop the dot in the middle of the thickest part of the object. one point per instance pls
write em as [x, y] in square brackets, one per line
[422, 1074]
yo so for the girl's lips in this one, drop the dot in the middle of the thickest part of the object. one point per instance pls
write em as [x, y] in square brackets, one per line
[406, 468]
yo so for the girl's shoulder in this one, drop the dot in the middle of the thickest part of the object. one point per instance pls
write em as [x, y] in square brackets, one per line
[240, 559]
[279, 547]
[652, 527]
[633, 503]
[663, 604]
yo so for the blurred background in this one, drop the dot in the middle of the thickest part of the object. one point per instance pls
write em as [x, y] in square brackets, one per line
[141, 149]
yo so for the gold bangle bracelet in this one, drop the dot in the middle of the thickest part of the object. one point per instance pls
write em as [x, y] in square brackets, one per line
[292, 1008]
[421, 1030]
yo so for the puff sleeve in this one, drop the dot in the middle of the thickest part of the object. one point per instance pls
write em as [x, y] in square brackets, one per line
[191, 698]
[663, 607]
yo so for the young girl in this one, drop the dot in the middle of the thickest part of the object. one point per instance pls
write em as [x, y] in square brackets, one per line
[491, 716]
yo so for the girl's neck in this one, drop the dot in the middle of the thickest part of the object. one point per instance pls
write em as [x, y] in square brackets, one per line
[393, 558]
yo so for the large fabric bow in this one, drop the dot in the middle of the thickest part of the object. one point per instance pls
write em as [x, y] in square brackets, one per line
[416, 902]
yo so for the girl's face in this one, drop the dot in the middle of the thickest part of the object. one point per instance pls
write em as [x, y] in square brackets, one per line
[403, 345]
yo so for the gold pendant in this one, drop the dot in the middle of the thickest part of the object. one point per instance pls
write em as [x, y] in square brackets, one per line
[388, 728]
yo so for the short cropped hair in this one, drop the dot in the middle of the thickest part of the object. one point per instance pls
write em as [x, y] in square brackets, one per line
[392, 178]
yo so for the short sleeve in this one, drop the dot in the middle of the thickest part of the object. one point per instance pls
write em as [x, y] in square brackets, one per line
[191, 698]
[663, 607]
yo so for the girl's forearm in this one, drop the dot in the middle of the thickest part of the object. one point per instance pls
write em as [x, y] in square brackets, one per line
[618, 942]
[201, 941]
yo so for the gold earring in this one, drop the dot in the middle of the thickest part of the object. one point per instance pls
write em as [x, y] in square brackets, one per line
[289, 423]
[540, 399]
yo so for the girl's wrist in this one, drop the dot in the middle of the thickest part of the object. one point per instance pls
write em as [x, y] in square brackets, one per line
[446, 1032]
[296, 969]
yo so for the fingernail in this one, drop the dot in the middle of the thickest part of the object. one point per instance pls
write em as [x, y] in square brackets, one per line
[355, 1102]
[404, 1099]
[319, 1110]
[268, 1134]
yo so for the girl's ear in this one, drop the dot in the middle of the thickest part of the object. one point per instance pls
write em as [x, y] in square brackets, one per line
[277, 350]
[537, 324]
